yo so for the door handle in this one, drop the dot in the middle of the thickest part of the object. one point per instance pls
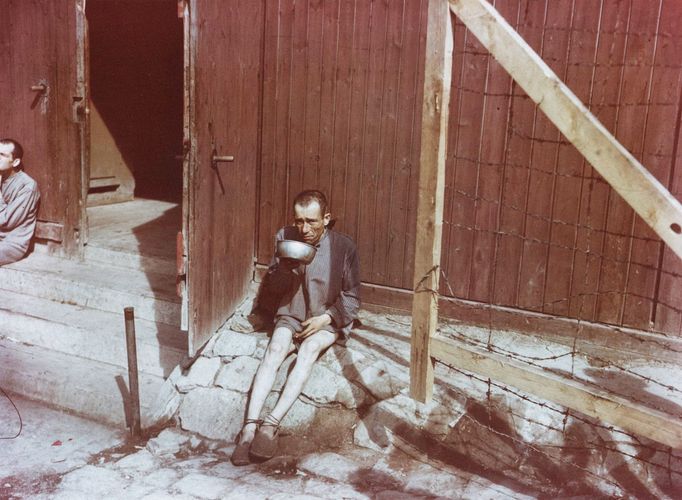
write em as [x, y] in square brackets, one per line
[215, 159]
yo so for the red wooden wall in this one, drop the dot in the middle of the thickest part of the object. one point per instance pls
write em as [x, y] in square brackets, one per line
[38, 44]
[528, 223]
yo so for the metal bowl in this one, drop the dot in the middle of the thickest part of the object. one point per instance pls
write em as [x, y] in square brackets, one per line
[292, 249]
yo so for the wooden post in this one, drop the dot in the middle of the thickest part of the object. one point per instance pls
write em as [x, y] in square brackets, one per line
[437, 76]
[133, 384]
[641, 190]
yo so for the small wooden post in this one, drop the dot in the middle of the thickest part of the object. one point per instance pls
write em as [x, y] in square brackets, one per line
[437, 77]
[133, 383]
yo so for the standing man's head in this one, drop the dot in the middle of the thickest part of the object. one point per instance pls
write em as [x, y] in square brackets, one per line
[11, 154]
[310, 215]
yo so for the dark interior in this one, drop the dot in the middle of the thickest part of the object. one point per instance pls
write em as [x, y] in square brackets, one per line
[136, 77]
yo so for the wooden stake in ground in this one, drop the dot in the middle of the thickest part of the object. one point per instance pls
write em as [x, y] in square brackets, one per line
[437, 76]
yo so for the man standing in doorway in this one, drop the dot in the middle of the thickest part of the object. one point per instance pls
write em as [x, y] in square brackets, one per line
[19, 197]
[319, 308]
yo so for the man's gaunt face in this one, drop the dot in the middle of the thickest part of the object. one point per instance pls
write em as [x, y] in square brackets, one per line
[7, 161]
[310, 222]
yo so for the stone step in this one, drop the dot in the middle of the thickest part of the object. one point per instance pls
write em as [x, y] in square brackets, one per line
[130, 260]
[95, 285]
[90, 388]
[89, 333]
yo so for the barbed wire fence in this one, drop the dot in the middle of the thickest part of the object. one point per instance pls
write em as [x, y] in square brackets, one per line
[640, 380]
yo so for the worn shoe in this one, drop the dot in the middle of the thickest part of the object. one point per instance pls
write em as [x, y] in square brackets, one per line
[264, 447]
[240, 455]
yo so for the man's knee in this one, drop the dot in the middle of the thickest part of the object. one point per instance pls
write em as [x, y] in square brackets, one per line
[276, 351]
[313, 346]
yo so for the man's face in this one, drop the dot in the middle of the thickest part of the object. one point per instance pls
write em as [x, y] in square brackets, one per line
[7, 161]
[310, 222]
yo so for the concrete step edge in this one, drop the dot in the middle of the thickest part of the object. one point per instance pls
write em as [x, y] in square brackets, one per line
[152, 358]
[127, 260]
[89, 388]
[57, 288]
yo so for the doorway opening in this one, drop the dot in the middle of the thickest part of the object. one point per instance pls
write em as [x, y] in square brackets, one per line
[136, 125]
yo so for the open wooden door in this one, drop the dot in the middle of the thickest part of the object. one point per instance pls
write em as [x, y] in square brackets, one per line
[42, 98]
[224, 50]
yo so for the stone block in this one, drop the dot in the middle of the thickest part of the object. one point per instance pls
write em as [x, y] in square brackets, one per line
[326, 387]
[140, 462]
[167, 401]
[329, 465]
[381, 381]
[212, 412]
[298, 418]
[232, 344]
[161, 478]
[95, 481]
[201, 374]
[203, 486]
[411, 420]
[238, 374]
[168, 442]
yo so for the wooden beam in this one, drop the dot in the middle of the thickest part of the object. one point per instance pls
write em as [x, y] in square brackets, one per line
[437, 76]
[639, 188]
[591, 401]
[49, 231]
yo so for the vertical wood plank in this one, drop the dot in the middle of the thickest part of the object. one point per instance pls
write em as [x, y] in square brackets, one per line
[629, 132]
[386, 166]
[545, 145]
[372, 126]
[437, 76]
[342, 112]
[406, 154]
[570, 165]
[361, 63]
[661, 104]
[604, 102]
[522, 116]
[489, 158]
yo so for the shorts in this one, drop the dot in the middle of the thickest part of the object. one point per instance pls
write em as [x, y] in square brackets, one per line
[295, 326]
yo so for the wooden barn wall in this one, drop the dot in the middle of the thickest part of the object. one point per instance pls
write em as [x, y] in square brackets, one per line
[38, 45]
[528, 223]
[341, 111]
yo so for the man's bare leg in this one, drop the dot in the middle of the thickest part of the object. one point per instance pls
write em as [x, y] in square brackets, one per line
[308, 353]
[278, 349]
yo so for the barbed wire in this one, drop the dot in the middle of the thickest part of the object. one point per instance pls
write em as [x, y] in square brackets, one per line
[566, 413]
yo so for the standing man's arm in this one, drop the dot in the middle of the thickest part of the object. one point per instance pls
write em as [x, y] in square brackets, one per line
[15, 212]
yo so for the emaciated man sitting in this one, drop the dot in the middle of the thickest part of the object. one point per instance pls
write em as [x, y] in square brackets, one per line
[19, 197]
[319, 305]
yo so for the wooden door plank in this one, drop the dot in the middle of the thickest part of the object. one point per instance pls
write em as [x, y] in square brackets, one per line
[400, 228]
[226, 50]
[387, 139]
[379, 28]
[570, 393]
[361, 64]
[342, 106]
[652, 201]
[436, 100]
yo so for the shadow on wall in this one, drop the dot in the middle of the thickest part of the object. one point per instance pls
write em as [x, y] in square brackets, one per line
[136, 84]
